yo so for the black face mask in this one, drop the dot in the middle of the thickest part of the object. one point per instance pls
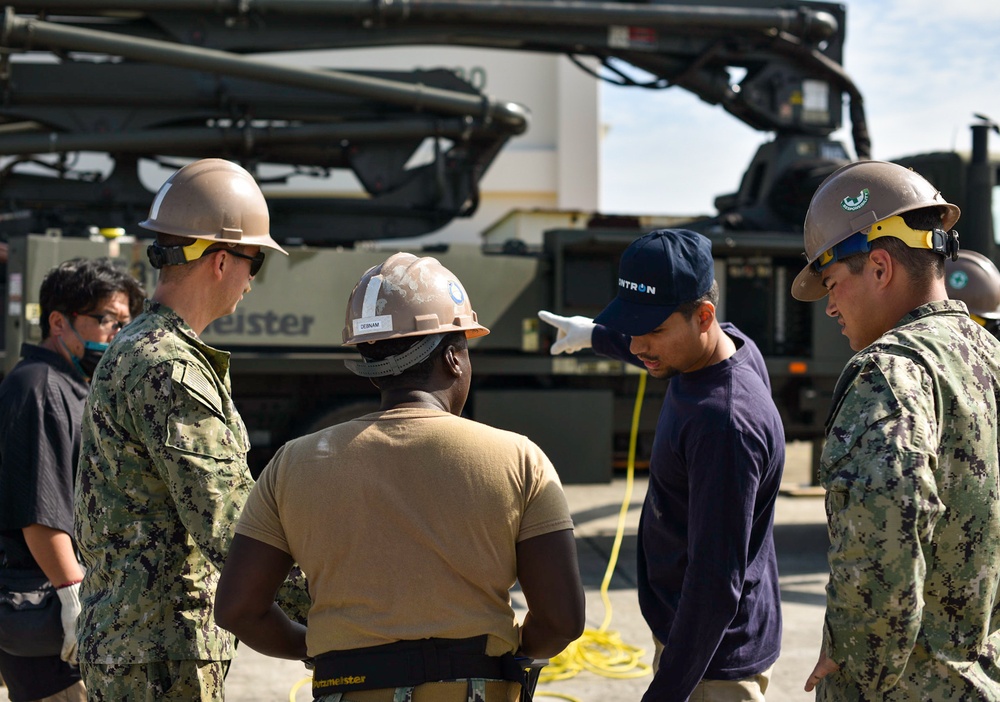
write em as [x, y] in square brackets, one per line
[93, 351]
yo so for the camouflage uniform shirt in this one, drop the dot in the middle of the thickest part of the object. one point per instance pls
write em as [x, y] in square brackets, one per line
[161, 482]
[911, 472]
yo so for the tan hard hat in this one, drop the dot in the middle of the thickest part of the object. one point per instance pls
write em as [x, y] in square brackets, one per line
[852, 199]
[408, 296]
[975, 280]
[212, 199]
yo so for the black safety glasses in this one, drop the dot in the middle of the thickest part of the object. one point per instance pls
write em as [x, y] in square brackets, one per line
[256, 261]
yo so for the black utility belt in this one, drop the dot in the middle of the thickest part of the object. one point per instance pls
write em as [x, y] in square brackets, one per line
[411, 663]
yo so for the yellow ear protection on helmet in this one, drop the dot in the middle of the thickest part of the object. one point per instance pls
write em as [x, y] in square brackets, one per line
[937, 240]
[160, 256]
[990, 325]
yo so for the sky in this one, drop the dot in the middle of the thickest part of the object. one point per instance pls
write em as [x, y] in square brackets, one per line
[923, 66]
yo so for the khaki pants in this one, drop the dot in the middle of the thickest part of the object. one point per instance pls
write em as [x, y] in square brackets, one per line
[750, 689]
[74, 693]
[162, 681]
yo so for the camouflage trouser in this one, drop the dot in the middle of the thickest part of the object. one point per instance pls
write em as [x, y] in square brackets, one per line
[162, 681]
[293, 596]
[473, 690]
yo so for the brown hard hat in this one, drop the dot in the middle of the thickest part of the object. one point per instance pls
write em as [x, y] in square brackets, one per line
[975, 280]
[212, 199]
[852, 199]
[408, 296]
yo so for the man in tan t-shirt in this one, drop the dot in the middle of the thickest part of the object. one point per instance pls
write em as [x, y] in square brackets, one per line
[412, 523]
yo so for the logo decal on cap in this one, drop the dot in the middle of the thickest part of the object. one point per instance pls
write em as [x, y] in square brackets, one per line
[852, 204]
[638, 287]
[958, 280]
[456, 292]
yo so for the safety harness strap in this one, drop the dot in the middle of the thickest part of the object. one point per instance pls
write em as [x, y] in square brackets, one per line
[411, 663]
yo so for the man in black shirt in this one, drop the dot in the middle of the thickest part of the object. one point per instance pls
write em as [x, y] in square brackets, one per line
[83, 305]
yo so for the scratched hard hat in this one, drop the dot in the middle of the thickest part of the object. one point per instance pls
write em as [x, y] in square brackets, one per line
[408, 295]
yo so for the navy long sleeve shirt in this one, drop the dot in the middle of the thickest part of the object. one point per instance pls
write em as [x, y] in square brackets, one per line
[708, 575]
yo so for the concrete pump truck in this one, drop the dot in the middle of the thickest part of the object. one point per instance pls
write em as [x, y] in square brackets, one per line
[168, 81]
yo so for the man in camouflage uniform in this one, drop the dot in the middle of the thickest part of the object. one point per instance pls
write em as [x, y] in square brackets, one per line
[910, 463]
[163, 473]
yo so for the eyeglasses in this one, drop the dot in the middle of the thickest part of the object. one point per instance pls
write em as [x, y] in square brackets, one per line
[160, 256]
[106, 321]
[256, 261]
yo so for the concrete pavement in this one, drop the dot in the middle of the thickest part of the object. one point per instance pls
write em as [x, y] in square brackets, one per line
[800, 535]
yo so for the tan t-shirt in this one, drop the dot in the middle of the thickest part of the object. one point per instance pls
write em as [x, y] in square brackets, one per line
[405, 523]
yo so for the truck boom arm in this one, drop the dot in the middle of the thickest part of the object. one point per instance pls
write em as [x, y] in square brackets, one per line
[154, 79]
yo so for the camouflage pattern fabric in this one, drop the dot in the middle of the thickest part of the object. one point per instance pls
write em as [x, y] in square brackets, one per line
[911, 471]
[293, 596]
[180, 681]
[161, 482]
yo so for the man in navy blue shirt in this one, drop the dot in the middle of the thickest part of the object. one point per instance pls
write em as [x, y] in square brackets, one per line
[708, 576]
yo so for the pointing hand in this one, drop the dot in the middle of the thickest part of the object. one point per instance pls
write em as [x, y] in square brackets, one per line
[574, 332]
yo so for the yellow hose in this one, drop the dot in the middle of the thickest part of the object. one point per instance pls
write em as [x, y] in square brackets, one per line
[296, 686]
[600, 651]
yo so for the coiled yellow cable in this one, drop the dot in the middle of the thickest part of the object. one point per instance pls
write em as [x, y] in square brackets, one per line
[296, 686]
[600, 651]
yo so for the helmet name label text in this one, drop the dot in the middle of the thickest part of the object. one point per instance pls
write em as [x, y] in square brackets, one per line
[370, 325]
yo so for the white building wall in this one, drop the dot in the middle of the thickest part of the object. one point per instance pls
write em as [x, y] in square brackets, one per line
[577, 138]
[553, 165]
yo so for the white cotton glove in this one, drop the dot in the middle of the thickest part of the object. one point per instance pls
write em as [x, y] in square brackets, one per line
[69, 598]
[574, 332]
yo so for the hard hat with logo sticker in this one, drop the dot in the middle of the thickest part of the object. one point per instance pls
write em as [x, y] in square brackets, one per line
[407, 296]
[866, 198]
[975, 280]
[212, 200]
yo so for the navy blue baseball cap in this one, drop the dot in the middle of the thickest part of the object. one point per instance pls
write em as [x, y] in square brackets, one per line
[657, 273]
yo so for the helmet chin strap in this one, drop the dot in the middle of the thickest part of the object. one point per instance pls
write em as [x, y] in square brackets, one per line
[394, 365]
